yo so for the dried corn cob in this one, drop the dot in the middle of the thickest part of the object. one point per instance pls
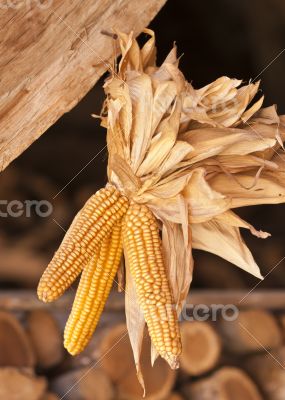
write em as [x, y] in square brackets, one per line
[142, 247]
[95, 220]
[94, 287]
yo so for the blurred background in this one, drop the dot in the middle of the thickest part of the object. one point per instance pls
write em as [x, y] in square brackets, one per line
[67, 164]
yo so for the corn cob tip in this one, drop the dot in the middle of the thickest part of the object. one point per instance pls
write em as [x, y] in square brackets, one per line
[71, 348]
[45, 294]
[70, 345]
[172, 360]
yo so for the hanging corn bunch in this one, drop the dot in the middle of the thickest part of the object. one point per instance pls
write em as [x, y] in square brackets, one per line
[180, 160]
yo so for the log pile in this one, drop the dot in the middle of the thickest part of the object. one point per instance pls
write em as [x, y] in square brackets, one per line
[220, 360]
[269, 373]
[251, 329]
[226, 384]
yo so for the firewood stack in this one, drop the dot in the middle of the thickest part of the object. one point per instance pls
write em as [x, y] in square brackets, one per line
[221, 360]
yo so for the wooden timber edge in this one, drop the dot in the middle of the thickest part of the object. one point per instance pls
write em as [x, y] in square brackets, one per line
[59, 57]
[24, 300]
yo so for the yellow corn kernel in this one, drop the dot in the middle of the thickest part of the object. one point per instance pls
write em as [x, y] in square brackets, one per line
[143, 249]
[90, 226]
[94, 287]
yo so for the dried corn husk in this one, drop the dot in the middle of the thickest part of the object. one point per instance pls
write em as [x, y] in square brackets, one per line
[191, 155]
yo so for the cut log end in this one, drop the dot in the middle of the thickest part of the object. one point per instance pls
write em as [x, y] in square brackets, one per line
[269, 373]
[46, 338]
[15, 347]
[201, 348]
[87, 384]
[236, 385]
[16, 385]
[226, 384]
[252, 331]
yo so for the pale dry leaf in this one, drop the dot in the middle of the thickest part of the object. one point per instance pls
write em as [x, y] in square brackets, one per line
[153, 354]
[236, 163]
[220, 90]
[179, 261]
[142, 102]
[224, 241]
[267, 190]
[177, 154]
[148, 51]
[159, 149]
[170, 186]
[267, 115]
[123, 175]
[119, 91]
[135, 322]
[220, 104]
[252, 110]
[164, 95]
[218, 141]
[168, 209]
[204, 203]
[130, 53]
[232, 219]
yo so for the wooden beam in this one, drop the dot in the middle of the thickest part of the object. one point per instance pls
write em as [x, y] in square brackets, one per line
[23, 300]
[52, 54]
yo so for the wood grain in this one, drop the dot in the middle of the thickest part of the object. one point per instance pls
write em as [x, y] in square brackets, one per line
[52, 54]
[24, 300]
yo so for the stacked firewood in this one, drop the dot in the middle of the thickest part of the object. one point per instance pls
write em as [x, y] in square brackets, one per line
[222, 360]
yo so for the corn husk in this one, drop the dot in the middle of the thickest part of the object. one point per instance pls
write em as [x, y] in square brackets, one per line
[192, 155]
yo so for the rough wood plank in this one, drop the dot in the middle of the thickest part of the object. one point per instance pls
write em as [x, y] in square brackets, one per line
[52, 53]
[23, 300]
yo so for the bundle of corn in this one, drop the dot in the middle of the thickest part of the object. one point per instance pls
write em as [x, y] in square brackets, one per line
[179, 160]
